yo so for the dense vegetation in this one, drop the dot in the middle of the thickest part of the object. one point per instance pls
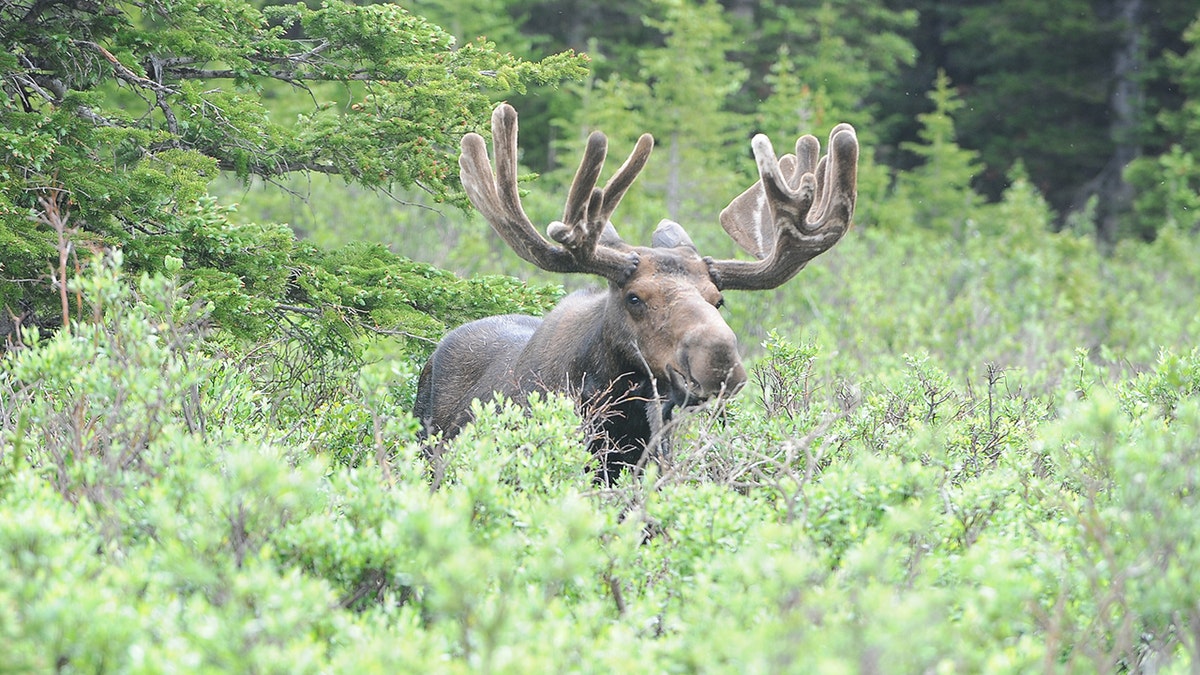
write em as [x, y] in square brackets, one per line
[971, 441]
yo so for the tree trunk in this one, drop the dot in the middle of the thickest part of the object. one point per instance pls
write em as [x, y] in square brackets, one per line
[1113, 195]
[674, 196]
[742, 10]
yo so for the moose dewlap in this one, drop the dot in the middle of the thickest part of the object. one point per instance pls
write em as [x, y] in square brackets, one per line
[654, 340]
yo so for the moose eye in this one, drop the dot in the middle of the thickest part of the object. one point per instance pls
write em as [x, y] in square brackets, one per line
[633, 300]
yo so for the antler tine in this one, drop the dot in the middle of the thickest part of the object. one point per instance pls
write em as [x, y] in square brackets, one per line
[840, 180]
[616, 186]
[750, 218]
[789, 205]
[808, 152]
[772, 219]
[825, 169]
[586, 223]
[497, 198]
[575, 213]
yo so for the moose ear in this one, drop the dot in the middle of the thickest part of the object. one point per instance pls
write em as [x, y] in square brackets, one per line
[610, 238]
[670, 234]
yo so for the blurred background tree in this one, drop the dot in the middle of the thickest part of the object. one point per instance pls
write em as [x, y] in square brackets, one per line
[1167, 184]
[1074, 90]
[129, 116]
[1069, 87]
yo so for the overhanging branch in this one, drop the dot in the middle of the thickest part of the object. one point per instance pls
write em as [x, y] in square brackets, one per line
[122, 71]
[284, 75]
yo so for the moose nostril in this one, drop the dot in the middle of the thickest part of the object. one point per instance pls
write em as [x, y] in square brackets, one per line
[710, 363]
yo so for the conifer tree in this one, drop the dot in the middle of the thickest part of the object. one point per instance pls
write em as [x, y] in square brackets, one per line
[114, 117]
[939, 188]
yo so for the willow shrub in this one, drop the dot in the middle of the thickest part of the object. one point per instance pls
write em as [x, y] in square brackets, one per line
[156, 514]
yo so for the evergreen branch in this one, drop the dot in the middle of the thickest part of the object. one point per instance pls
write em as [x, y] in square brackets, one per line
[37, 10]
[31, 83]
[284, 166]
[287, 76]
[307, 311]
[161, 91]
[122, 71]
[53, 93]
[400, 333]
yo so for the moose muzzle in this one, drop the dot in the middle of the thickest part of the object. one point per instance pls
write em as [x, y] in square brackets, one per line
[709, 365]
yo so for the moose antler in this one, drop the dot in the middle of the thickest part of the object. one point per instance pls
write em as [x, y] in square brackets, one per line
[772, 220]
[587, 212]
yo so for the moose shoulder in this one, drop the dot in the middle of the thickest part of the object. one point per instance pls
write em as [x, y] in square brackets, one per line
[653, 340]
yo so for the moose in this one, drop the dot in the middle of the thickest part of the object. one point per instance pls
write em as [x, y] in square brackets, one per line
[654, 340]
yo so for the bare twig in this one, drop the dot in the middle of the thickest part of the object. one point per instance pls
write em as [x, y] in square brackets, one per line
[122, 71]
[53, 216]
[400, 333]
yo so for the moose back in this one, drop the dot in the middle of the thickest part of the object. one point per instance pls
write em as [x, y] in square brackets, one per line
[653, 340]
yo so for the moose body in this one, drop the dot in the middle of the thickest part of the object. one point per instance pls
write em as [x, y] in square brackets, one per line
[629, 362]
[654, 339]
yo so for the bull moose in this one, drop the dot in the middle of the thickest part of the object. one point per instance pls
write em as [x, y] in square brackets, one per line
[654, 340]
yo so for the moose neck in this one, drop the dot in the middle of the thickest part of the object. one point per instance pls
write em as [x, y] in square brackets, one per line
[619, 393]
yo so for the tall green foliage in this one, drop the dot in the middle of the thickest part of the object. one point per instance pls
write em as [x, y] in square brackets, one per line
[1169, 185]
[938, 191]
[836, 53]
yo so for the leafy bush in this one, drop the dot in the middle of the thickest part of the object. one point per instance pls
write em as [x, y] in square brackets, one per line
[903, 495]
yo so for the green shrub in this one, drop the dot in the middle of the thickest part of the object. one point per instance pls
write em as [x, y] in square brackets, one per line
[861, 506]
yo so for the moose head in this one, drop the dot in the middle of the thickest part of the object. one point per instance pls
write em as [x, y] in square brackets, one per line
[654, 339]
